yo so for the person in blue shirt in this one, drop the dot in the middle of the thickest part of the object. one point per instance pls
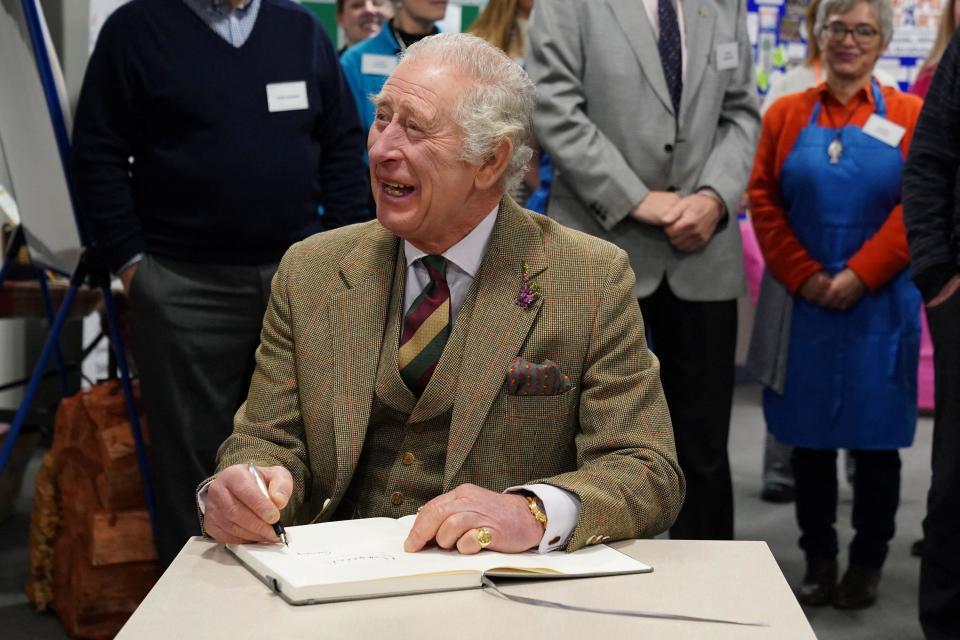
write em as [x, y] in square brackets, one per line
[367, 65]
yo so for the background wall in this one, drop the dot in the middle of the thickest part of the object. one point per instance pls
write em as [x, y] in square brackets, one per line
[778, 34]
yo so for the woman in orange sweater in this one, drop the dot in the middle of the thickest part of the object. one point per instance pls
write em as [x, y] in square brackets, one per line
[825, 201]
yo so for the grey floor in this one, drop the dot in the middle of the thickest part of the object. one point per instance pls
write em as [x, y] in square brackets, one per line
[894, 616]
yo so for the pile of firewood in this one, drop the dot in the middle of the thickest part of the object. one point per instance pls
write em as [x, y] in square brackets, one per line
[92, 552]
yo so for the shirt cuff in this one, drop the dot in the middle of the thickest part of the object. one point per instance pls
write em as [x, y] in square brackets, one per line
[202, 496]
[562, 509]
[129, 263]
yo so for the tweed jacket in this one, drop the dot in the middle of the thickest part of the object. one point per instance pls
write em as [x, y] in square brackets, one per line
[605, 116]
[608, 440]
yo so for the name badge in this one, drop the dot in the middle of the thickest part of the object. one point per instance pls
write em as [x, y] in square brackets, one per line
[883, 130]
[728, 56]
[287, 96]
[373, 64]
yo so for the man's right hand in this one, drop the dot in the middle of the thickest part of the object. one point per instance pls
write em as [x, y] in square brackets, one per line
[948, 290]
[656, 208]
[126, 276]
[236, 511]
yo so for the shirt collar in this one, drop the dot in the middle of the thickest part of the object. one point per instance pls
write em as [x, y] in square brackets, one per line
[218, 7]
[864, 93]
[466, 254]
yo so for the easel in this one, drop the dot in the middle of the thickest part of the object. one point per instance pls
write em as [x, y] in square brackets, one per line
[90, 270]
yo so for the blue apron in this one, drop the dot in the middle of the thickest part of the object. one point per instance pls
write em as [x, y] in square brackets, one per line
[851, 376]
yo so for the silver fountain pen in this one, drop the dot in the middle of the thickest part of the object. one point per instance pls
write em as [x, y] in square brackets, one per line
[277, 526]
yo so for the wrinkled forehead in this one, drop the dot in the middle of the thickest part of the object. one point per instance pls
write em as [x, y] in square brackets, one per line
[427, 87]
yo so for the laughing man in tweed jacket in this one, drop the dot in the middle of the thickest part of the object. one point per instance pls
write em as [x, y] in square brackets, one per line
[504, 389]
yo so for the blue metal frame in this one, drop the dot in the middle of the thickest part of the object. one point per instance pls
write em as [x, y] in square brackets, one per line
[89, 269]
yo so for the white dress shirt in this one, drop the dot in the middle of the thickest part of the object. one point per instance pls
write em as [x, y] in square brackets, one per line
[653, 13]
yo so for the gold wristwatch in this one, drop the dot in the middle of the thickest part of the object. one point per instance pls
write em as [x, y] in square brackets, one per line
[536, 510]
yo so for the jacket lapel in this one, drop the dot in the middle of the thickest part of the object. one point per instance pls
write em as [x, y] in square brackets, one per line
[358, 314]
[698, 21]
[498, 327]
[632, 18]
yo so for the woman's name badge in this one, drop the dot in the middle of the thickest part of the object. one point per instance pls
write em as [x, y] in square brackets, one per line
[884, 130]
[372, 64]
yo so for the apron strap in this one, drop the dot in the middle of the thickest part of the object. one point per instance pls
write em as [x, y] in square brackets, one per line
[881, 106]
[881, 109]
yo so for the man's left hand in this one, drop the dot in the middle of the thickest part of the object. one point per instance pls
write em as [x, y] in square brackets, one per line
[453, 518]
[845, 291]
[698, 217]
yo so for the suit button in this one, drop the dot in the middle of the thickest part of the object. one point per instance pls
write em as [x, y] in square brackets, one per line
[396, 498]
[672, 189]
[668, 148]
[407, 459]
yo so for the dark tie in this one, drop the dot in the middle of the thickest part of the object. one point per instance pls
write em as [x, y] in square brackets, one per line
[426, 328]
[671, 56]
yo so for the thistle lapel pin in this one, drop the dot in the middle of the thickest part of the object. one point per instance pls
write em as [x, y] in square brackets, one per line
[529, 293]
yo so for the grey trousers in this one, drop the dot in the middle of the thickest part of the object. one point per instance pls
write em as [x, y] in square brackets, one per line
[194, 329]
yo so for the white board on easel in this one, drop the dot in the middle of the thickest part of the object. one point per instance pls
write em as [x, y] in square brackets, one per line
[29, 150]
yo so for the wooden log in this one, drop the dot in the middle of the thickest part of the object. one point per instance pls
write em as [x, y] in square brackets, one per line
[120, 488]
[94, 602]
[116, 538]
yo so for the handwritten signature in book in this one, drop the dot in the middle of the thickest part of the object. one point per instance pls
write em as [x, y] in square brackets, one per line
[372, 557]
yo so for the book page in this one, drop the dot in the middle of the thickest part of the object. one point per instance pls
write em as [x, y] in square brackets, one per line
[372, 549]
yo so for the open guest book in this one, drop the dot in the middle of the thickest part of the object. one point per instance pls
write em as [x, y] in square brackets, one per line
[354, 559]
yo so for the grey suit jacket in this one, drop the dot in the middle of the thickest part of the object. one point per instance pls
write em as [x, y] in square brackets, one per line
[604, 115]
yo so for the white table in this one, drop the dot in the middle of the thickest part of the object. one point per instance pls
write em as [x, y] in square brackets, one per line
[207, 594]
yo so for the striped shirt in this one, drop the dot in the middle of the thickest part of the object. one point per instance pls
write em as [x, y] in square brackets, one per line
[233, 25]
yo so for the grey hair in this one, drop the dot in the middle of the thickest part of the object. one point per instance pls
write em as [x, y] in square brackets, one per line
[498, 103]
[882, 9]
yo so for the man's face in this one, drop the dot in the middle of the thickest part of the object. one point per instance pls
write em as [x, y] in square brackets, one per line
[362, 19]
[424, 10]
[422, 188]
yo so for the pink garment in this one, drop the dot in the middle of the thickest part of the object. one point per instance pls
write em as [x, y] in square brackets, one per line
[925, 373]
[752, 259]
[922, 82]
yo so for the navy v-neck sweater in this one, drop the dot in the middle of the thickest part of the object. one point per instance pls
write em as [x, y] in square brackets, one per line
[215, 177]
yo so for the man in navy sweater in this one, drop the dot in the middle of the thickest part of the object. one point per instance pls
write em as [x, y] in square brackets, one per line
[210, 135]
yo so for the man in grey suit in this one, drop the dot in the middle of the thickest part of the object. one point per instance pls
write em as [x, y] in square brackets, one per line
[649, 111]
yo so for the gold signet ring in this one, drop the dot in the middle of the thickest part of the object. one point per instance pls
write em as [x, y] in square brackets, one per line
[484, 537]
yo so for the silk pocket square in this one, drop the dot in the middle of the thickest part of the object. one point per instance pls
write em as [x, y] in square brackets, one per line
[525, 378]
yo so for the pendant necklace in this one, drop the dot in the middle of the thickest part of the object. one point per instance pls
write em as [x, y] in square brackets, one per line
[835, 148]
[396, 34]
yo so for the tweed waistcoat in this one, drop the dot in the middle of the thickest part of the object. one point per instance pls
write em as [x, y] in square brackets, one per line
[405, 449]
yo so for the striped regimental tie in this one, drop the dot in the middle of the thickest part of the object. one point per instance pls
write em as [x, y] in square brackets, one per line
[426, 328]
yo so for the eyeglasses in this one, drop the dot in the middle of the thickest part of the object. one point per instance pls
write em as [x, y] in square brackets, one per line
[863, 34]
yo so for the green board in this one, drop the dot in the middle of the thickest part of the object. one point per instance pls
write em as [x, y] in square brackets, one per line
[326, 13]
[469, 16]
